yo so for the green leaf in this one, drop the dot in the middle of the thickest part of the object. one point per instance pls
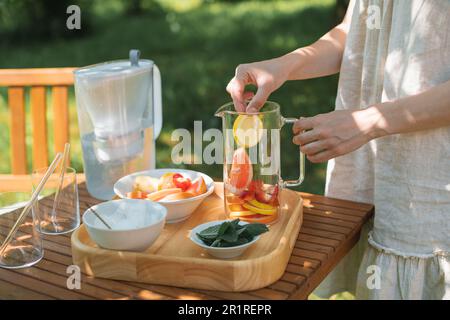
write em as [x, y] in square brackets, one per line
[210, 232]
[216, 243]
[223, 227]
[231, 233]
[256, 229]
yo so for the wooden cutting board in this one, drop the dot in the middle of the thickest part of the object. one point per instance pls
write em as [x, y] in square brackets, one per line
[174, 260]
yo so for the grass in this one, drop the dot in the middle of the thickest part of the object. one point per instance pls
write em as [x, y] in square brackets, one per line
[197, 48]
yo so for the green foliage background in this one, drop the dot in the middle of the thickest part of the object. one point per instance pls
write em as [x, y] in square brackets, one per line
[197, 45]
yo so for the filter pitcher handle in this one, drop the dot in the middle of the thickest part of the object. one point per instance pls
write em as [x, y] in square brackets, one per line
[157, 102]
[297, 182]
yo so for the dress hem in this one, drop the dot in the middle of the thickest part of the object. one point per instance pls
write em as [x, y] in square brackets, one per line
[406, 255]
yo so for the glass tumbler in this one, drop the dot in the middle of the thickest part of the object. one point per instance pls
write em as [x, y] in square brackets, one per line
[25, 248]
[58, 210]
[251, 170]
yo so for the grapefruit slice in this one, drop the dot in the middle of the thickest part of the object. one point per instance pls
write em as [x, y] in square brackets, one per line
[198, 187]
[247, 130]
[241, 172]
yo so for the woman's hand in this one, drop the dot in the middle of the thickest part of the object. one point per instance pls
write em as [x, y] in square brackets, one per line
[333, 134]
[267, 75]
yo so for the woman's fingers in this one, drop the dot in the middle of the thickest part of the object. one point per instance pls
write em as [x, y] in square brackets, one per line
[316, 147]
[305, 137]
[248, 95]
[236, 89]
[258, 100]
[303, 124]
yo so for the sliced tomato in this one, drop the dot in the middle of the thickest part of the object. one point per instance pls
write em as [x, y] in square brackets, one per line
[181, 182]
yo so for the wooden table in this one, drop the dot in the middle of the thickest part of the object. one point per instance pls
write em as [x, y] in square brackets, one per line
[331, 227]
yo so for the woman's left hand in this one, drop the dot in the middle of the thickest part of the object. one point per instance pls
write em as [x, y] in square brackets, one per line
[329, 135]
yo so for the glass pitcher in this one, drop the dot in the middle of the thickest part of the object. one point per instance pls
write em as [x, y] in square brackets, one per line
[251, 175]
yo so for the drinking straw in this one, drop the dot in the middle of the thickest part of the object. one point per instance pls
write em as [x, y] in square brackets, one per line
[100, 218]
[64, 162]
[33, 199]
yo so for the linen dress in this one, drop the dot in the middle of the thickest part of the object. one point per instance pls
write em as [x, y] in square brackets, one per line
[406, 176]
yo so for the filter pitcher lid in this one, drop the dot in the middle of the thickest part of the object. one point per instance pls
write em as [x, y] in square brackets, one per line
[116, 68]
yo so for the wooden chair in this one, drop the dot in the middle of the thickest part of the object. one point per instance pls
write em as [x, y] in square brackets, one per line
[17, 80]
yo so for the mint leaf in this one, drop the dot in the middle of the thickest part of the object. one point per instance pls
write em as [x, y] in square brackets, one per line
[231, 233]
[210, 232]
[256, 229]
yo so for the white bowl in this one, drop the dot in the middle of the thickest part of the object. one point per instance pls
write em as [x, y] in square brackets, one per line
[177, 210]
[220, 252]
[135, 224]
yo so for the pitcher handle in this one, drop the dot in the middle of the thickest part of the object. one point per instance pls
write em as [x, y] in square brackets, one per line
[297, 182]
[157, 102]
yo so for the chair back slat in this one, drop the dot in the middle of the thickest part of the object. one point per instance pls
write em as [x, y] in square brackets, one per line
[39, 126]
[60, 117]
[36, 77]
[17, 80]
[16, 101]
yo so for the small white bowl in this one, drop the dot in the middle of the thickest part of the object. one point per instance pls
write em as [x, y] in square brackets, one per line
[220, 252]
[135, 224]
[177, 210]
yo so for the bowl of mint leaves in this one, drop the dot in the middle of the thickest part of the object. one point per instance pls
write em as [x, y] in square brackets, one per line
[227, 239]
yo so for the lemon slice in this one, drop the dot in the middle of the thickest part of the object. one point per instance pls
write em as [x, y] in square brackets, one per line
[261, 205]
[259, 210]
[247, 130]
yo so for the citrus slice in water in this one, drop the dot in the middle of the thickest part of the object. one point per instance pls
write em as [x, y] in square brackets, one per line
[247, 130]
[241, 172]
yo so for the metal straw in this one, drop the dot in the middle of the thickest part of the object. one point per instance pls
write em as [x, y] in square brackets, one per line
[64, 163]
[33, 199]
[100, 218]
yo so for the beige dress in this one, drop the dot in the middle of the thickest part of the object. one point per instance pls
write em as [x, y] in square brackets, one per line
[406, 176]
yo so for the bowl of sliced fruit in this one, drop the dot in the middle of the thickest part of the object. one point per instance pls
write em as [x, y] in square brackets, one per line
[180, 191]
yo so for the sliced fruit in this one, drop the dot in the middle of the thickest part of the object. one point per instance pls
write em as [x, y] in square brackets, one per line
[241, 172]
[245, 213]
[261, 205]
[259, 210]
[177, 196]
[166, 181]
[158, 195]
[247, 130]
[258, 218]
[198, 186]
[236, 207]
[145, 184]
[267, 194]
[232, 199]
[181, 182]
[137, 195]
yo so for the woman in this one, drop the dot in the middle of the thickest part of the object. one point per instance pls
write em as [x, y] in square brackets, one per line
[387, 142]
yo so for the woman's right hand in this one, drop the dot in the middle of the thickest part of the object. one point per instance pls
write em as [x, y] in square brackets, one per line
[266, 75]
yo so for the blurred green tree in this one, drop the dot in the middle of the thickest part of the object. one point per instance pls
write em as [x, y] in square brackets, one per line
[33, 20]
